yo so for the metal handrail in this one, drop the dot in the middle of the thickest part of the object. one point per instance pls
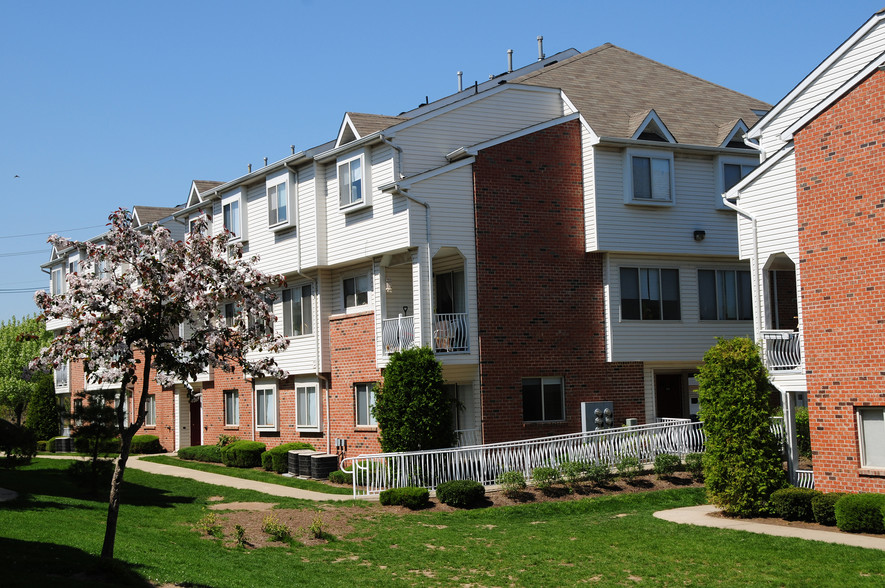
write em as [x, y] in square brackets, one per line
[782, 349]
[397, 334]
[451, 332]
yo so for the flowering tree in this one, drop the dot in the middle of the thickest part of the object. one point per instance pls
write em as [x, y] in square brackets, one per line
[125, 307]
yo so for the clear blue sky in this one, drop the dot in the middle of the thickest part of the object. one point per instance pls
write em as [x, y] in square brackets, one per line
[108, 104]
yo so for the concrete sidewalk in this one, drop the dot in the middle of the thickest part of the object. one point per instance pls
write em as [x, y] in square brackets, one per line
[699, 515]
[136, 463]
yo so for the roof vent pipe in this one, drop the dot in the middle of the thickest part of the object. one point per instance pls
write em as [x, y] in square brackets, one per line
[510, 61]
[292, 147]
[250, 168]
[540, 48]
[265, 162]
[460, 80]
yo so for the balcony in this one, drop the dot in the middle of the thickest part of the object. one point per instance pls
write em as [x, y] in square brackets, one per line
[397, 334]
[781, 350]
[451, 332]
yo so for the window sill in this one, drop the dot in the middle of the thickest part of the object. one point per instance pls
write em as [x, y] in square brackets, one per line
[543, 422]
[353, 207]
[267, 429]
[283, 226]
[876, 472]
[231, 427]
[366, 428]
[309, 429]
[642, 202]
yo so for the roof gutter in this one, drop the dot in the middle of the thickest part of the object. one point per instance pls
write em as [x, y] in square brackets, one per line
[621, 142]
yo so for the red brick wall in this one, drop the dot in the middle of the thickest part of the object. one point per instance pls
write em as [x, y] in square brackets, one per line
[539, 294]
[352, 343]
[840, 184]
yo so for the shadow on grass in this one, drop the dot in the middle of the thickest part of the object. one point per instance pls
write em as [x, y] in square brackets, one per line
[30, 564]
[58, 482]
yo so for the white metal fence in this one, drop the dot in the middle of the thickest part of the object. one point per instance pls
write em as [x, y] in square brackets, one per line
[397, 334]
[782, 349]
[484, 463]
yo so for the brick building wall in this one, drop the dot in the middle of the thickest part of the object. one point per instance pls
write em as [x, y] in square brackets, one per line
[840, 156]
[539, 294]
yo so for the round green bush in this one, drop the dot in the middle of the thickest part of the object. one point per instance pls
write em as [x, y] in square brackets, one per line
[411, 497]
[860, 513]
[340, 477]
[242, 454]
[629, 468]
[460, 493]
[824, 508]
[146, 444]
[793, 504]
[694, 463]
[276, 459]
[207, 453]
[512, 483]
[666, 464]
[544, 478]
[599, 474]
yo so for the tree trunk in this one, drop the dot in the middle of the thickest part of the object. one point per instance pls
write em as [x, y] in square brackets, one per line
[126, 435]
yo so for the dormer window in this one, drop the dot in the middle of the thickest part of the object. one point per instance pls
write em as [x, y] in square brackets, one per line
[649, 177]
[353, 189]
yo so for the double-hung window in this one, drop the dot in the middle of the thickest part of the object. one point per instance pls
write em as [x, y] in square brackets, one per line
[356, 291]
[297, 311]
[725, 295]
[57, 281]
[231, 408]
[266, 407]
[365, 402]
[307, 408]
[353, 182]
[277, 204]
[231, 215]
[542, 399]
[651, 178]
[871, 425]
[150, 411]
[650, 294]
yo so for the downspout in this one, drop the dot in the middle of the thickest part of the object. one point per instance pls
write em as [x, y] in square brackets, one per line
[754, 262]
[755, 146]
[398, 163]
[426, 206]
[316, 313]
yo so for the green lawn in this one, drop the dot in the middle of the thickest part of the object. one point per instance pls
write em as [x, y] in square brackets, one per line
[52, 533]
[250, 474]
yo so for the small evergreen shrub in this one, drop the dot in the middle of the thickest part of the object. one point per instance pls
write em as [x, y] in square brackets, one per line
[276, 459]
[544, 478]
[860, 513]
[410, 496]
[793, 504]
[460, 493]
[694, 463]
[278, 531]
[207, 453]
[84, 444]
[341, 477]
[824, 507]
[573, 472]
[92, 475]
[629, 468]
[146, 444]
[242, 454]
[512, 483]
[599, 474]
[42, 445]
[666, 464]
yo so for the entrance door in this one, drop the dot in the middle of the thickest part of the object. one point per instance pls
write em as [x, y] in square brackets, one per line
[668, 394]
[196, 422]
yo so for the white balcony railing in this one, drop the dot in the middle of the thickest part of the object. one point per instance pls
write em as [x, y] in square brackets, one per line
[61, 376]
[397, 334]
[781, 350]
[451, 332]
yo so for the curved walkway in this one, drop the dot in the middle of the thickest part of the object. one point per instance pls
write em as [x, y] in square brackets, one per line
[221, 480]
[699, 515]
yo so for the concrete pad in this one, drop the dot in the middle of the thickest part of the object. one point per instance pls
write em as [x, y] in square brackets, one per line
[700, 516]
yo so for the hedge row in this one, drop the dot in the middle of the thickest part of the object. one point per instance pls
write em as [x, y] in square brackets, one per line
[141, 444]
[243, 454]
[852, 513]
[207, 453]
[410, 496]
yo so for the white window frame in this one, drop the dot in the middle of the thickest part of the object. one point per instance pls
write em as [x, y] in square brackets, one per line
[267, 414]
[64, 369]
[871, 432]
[231, 406]
[57, 280]
[307, 417]
[650, 154]
[235, 198]
[660, 282]
[367, 420]
[750, 162]
[544, 382]
[195, 218]
[343, 166]
[718, 285]
[272, 187]
[230, 313]
[150, 411]
[357, 307]
[306, 310]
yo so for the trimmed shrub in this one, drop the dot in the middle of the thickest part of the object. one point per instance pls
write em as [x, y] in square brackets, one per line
[207, 453]
[512, 483]
[410, 496]
[860, 513]
[242, 454]
[629, 468]
[666, 464]
[86, 444]
[599, 474]
[276, 459]
[340, 477]
[742, 463]
[824, 507]
[42, 445]
[146, 444]
[573, 472]
[694, 463]
[544, 478]
[793, 504]
[460, 493]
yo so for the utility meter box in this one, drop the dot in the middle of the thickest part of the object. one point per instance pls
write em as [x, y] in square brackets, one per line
[597, 416]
